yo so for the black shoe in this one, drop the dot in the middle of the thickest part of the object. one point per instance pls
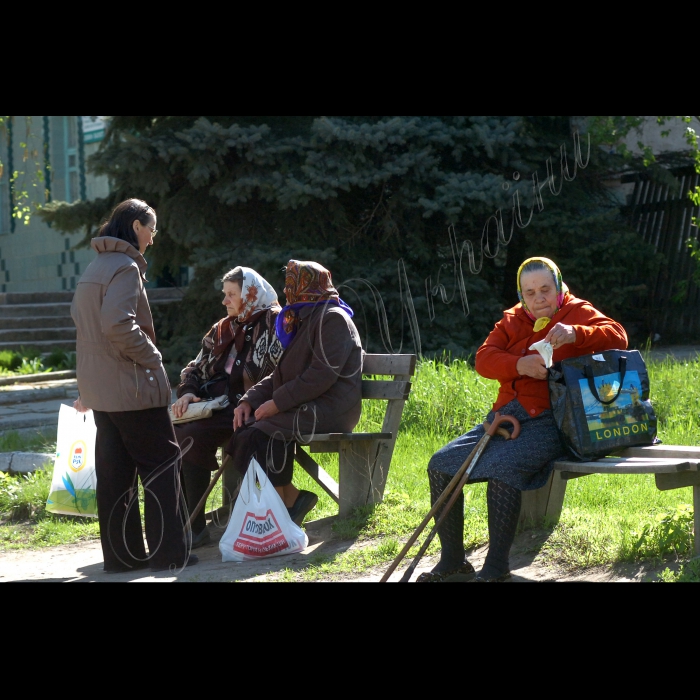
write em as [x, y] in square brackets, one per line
[306, 502]
[465, 571]
[492, 579]
[190, 562]
[126, 569]
[200, 539]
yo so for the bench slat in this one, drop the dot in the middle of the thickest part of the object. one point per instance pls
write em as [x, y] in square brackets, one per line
[352, 437]
[379, 389]
[673, 451]
[665, 482]
[389, 364]
[630, 465]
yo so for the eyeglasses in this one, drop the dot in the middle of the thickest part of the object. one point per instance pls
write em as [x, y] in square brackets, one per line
[153, 230]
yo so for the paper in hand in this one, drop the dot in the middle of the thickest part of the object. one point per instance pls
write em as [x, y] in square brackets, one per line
[545, 349]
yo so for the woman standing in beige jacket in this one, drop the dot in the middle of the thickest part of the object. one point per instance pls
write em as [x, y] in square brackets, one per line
[121, 378]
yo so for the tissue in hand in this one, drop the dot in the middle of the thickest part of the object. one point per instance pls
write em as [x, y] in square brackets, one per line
[545, 349]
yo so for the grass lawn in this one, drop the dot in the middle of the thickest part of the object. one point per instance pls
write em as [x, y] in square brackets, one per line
[605, 519]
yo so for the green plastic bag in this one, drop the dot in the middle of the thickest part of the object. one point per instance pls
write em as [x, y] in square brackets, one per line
[74, 481]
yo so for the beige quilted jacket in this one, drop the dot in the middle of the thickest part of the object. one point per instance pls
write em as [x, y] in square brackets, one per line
[119, 367]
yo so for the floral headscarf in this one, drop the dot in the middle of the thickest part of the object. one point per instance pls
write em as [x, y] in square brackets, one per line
[306, 283]
[257, 294]
[562, 289]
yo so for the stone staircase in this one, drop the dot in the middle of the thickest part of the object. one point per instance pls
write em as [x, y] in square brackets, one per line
[32, 408]
[42, 320]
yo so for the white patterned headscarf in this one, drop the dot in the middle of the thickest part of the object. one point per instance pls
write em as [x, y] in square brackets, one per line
[257, 294]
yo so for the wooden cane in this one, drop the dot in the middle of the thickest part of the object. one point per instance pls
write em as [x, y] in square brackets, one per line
[212, 483]
[454, 488]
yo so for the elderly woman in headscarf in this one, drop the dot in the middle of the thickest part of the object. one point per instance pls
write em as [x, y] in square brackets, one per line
[315, 388]
[546, 312]
[236, 353]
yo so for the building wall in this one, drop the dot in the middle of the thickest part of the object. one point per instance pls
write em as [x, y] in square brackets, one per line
[651, 135]
[33, 256]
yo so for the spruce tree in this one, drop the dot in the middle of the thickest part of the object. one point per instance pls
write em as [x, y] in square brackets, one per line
[418, 216]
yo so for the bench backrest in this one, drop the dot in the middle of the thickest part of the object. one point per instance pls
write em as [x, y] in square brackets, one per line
[396, 390]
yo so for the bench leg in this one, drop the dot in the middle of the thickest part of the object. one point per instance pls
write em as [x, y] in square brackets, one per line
[356, 466]
[696, 522]
[544, 502]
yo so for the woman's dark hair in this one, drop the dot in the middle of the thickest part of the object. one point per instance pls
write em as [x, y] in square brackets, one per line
[235, 275]
[121, 223]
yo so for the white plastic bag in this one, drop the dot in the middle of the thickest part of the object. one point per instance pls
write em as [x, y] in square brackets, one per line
[74, 481]
[260, 525]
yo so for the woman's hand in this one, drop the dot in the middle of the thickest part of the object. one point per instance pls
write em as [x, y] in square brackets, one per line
[241, 414]
[267, 410]
[79, 406]
[180, 406]
[532, 366]
[560, 335]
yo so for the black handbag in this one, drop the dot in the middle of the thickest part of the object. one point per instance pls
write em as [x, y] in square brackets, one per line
[601, 403]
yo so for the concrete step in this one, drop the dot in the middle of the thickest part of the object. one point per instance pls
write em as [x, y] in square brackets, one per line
[31, 408]
[38, 381]
[41, 345]
[25, 462]
[18, 322]
[61, 309]
[35, 297]
[27, 393]
[44, 405]
[165, 294]
[29, 336]
[42, 298]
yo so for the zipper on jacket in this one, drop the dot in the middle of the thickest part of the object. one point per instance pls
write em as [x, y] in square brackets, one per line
[137, 380]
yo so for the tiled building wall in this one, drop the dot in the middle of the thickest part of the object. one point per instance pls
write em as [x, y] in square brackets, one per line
[35, 257]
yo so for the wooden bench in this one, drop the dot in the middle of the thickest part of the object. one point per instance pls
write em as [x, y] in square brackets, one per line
[673, 467]
[363, 458]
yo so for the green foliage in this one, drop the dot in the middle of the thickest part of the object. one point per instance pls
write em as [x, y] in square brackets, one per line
[23, 183]
[673, 393]
[12, 441]
[668, 533]
[24, 496]
[59, 359]
[31, 361]
[9, 360]
[687, 573]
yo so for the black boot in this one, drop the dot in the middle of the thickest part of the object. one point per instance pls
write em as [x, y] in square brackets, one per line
[451, 533]
[503, 502]
[195, 481]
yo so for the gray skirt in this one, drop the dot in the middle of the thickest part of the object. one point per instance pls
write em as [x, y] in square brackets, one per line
[524, 463]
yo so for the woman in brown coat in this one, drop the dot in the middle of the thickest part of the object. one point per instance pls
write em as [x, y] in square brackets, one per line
[315, 388]
[121, 378]
[239, 350]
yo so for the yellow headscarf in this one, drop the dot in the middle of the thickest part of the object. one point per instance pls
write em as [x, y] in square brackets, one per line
[562, 289]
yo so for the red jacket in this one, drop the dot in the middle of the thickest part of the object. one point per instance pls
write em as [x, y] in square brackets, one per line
[513, 335]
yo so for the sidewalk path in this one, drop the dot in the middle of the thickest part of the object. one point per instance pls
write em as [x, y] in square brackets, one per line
[83, 563]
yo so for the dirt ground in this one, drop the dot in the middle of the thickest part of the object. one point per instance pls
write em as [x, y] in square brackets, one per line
[83, 563]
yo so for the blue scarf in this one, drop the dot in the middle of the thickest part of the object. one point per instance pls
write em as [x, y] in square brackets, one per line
[291, 310]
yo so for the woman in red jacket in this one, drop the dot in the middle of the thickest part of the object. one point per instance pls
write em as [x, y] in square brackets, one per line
[547, 311]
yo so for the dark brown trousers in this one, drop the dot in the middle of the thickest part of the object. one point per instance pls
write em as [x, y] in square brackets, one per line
[131, 443]
[199, 461]
[276, 457]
